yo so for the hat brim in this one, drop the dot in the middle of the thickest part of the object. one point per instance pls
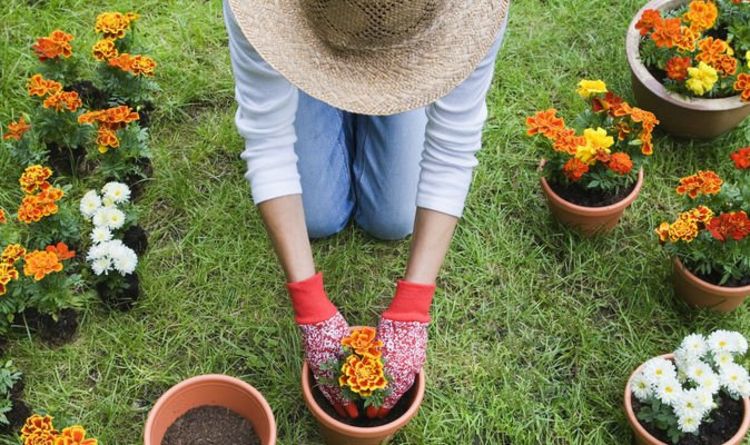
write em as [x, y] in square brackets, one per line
[371, 82]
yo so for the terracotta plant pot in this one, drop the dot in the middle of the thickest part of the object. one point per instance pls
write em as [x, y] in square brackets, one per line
[699, 293]
[213, 390]
[335, 432]
[643, 437]
[589, 220]
[679, 115]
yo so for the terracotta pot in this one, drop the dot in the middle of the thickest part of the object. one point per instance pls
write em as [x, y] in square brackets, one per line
[335, 432]
[699, 293]
[679, 115]
[643, 437]
[215, 390]
[589, 220]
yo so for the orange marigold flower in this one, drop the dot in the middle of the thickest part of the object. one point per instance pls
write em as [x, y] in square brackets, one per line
[12, 253]
[64, 99]
[114, 25]
[90, 117]
[7, 273]
[743, 86]
[734, 225]
[35, 178]
[667, 32]
[74, 435]
[610, 103]
[363, 342]
[705, 182]
[702, 214]
[545, 122]
[53, 46]
[677, 67]
[35, 207]
[620, 163]
[39, 264]
[687, 39]
[574, 169]
[3, 218]
[711, 50]
[649, 19]
[62, 251]
[663, 232]
[726, 64]
[741, 158]
[124, 62]
[37, 424]
[684, 229]
[363, 375]
[17, 129]
[41, 438]
[143, 66]
[568, 142]
[106, 138]
[702, 15]
[104, 49]
[39, 86]
[120, 116]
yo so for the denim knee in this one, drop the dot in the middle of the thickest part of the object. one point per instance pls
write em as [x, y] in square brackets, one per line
[388, 226]
[322, 225]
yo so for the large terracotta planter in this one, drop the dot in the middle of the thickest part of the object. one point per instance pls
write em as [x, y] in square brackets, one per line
[215, 390]
[679, 115]
[699, 293]
[335, 432]
[589, 220]
[643, 437]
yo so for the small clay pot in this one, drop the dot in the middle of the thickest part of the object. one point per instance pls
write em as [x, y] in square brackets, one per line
[213, 390]
[696, 292]
[643, 437]
[589, 220]
[679, 115]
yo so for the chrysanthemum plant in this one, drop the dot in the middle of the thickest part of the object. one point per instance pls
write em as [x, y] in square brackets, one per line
[711, 235]
[9, 376]
[40, 429]
[679, 396]
[701, 49]
[604, 149]
[360, 371]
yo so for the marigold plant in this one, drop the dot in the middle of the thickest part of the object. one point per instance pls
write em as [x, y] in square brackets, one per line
[39, 430]
[605, 149]
[711, 235]
[701, 49]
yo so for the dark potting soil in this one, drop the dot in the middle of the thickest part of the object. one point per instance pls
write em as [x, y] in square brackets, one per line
[587, 197]
[53, 332]
[210, 425]
[363, 420]
[135, 238]
[121, 299]
[92, 97]
[16, 392]
[721, 425]
[144, 112]
[16, 417]
[715, 278]
[63, 161]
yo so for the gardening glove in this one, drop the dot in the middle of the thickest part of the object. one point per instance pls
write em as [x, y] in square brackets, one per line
[322, 327]
[403, 330]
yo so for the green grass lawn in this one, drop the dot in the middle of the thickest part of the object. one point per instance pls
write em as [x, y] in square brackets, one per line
[534, 331]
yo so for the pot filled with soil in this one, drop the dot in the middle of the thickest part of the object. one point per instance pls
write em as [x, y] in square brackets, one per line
[682, 112]
[337, 430]
[705, 292]
[590, 212]
[728, 424]
[211, 409]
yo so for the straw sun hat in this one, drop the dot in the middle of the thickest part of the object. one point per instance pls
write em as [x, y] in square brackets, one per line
[373, 57]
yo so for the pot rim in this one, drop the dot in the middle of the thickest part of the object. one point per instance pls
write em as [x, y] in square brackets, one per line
[636, 424]
[726, 291]
[596, 211]
[632, 46]
[210, 378]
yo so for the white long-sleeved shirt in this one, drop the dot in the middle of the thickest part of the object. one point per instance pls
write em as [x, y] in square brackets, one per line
[267, 104]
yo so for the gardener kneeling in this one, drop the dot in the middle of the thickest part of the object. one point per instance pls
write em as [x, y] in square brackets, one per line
[371, 111]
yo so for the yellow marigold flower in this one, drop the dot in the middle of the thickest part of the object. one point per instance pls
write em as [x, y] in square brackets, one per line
[39, 86]
[39, 264]
[663, 232]
[363, 375]
[747, 58]
[588, 88]
[37, 424]
[12, 253]
[35, 178]
[74, 435]
[8, 273]
[363, 342]
[684, 229]
[104, 49]
[701, 79]
[702, 214]
[702, 15]
[114, 25]
[597, 142]
[41, 438]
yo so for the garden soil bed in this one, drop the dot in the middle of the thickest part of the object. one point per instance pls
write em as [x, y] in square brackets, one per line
[90, 94]
[121, 299]
[53, 332]
[137, 239]
[210, 425]
[589, 198]
[363, 421]
[19, 412]
[66, 161]
[722, 424]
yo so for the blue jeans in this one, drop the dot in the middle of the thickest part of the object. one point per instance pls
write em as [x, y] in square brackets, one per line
[358, 167]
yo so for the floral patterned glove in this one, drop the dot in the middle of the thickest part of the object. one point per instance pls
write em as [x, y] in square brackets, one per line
[403, 330]
[322, 327]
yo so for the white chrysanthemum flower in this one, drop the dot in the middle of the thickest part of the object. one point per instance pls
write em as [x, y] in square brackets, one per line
[90, 203]
[117, 192]
[100, 217]
[689, 405]
[100, 235]
[720, 341]
[694, 345]
[738, 343]
[683, 359]
[704, 398]
[115, 218]
[97, 251]
[711, 383]
[641, 387]
[723, 359]
[669, 390]
[698, 371]
[658, 369]
[688, 424]
[124, 259]
[107, 201]
[734, 378]
[101, 265]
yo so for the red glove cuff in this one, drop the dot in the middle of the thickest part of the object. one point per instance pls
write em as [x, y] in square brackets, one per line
[411, 302]
[309, 300]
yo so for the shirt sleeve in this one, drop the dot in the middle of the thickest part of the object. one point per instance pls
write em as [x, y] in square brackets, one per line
[267, 105]
[453, 137]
